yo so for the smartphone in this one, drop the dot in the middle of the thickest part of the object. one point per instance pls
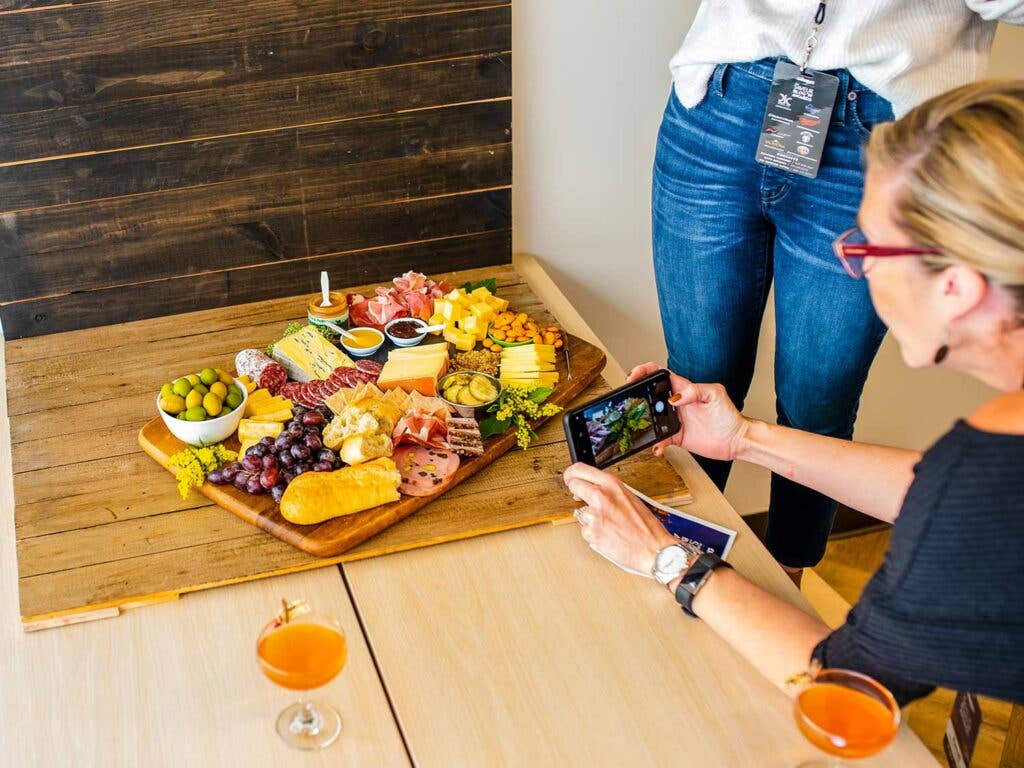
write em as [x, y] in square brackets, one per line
[626, 420]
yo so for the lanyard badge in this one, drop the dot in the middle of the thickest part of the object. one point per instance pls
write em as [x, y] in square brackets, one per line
[799, 110]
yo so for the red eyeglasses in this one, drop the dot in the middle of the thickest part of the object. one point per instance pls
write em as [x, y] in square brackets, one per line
[852, 247]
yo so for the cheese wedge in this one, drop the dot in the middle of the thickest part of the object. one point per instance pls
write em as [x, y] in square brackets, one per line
[252, 431]
[415, 369]
[530, 379]
[307, 355]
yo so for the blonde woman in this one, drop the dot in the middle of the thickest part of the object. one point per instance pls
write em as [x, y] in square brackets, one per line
[940, 241]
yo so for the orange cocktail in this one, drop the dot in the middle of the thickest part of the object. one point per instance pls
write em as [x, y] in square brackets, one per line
[847, 714]
[302, 650]
[302, 655]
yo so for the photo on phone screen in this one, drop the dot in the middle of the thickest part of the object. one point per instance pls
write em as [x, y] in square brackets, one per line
[626, 420]
[617, 427]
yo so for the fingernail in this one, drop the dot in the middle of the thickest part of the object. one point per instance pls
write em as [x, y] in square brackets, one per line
[675, 399]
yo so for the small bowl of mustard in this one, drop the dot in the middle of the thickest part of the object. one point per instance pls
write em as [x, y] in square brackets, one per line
[363, 341]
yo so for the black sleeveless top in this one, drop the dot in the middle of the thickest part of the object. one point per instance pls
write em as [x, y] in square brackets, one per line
[947, 606]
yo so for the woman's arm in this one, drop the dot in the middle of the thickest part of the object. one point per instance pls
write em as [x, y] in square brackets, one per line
[869, 478]
[774, 636]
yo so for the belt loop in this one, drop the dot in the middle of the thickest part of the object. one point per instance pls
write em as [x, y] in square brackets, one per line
[718, 80]
[839, 113]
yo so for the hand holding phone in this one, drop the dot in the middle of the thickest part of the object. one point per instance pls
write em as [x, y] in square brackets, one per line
[623, 422]
[711, 425]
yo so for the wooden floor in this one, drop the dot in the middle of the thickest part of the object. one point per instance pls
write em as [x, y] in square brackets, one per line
[849, 562]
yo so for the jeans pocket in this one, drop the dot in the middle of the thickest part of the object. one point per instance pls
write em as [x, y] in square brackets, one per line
[868, 110]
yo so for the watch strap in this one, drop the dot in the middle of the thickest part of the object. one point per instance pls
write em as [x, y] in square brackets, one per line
[695, 578]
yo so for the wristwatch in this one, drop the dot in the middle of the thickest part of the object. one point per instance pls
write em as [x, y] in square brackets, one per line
[695, 578]
[672, 561]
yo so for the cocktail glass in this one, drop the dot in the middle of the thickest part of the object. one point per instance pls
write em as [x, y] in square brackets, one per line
[302, 650]
[846, 715]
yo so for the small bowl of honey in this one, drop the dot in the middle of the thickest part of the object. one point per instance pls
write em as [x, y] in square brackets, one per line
[362, 342]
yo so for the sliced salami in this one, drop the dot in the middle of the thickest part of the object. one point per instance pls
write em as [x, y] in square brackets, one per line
[273, 378]
[266, 373]
[369, 366]
[425, 471]
[302, 396]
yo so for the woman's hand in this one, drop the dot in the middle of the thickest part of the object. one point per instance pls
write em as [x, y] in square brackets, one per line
[711, 425]
[615, 522]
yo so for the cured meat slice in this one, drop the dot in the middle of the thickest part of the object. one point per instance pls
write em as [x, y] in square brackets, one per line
[419, 427]
[316, 391]
[304, 397]
[425, 471]
[369, 366]
[265, 372]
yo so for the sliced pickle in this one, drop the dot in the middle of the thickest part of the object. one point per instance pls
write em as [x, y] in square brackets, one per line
[482, 389]
[466, 397]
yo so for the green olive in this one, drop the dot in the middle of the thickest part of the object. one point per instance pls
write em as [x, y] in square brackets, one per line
[195, 413]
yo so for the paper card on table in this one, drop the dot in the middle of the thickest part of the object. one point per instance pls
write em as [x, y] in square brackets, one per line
[708, 536]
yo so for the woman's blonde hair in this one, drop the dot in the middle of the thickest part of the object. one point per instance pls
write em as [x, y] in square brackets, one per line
[960, 157]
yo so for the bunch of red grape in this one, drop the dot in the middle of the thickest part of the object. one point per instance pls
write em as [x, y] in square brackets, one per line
[270, 465]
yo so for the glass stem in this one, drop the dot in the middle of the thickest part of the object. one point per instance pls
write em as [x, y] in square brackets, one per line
[307, 720]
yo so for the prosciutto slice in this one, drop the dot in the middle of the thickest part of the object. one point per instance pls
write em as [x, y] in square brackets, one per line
[411, 295]
[419, 427]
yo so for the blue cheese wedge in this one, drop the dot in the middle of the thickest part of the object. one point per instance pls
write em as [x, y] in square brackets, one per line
[307, 355]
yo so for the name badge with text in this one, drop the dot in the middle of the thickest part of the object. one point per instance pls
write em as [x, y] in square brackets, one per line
[796, 120]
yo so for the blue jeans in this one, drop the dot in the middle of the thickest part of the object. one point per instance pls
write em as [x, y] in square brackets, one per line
[724, 228]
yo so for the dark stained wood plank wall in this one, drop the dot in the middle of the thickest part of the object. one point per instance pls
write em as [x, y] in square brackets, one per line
[159, 156]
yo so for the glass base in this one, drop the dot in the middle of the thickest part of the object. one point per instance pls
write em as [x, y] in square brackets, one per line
[309, 725]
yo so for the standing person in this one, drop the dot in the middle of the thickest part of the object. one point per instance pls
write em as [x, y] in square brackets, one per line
[726, 225]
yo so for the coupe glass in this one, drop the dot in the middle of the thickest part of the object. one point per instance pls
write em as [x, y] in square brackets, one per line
[846, 715]
[302, 650]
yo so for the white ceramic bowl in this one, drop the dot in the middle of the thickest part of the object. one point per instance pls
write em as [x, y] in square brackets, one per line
[412, 341]
[356, 351]
[468, 410]
[202, 433]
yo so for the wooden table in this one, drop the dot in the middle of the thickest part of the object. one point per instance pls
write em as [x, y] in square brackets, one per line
[518, 648]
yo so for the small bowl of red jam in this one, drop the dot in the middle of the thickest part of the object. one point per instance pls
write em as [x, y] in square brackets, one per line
[406, 331]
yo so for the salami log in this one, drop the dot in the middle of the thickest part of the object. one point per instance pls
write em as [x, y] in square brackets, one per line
[260, 369]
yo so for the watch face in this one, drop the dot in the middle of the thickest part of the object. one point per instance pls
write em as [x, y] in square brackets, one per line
[671, 560]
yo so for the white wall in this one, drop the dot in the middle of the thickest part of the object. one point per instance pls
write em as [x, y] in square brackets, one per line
[590, 81]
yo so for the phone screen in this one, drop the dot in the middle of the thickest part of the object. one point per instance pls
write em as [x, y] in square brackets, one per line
[619, 426]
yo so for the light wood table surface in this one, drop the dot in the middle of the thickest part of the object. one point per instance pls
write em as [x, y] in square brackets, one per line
[519, 648]
[526, 648]
[175, 684]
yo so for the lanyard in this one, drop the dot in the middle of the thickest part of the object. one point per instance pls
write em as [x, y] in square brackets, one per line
[812, 39]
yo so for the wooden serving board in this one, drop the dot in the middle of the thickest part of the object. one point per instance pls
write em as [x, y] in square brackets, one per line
[339, 534]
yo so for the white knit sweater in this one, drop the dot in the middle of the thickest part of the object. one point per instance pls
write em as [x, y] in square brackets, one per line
[904, 50]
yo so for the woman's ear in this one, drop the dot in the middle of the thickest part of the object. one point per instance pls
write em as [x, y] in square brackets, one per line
[960, 289]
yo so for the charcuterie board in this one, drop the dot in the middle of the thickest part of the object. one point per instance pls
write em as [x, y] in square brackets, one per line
[577, 369]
